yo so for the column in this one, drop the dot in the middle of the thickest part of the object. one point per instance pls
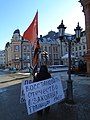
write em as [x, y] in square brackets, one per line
[86, 10]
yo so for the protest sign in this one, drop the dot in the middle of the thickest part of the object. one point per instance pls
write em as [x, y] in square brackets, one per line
[42, 94]
[22, 95]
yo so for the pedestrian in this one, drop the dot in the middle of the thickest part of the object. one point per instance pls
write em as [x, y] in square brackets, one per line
[80, 65]
[42, 75]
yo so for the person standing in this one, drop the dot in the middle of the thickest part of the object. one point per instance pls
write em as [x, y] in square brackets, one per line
[42, 75]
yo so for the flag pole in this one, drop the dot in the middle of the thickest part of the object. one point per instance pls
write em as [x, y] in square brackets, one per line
[36, 58]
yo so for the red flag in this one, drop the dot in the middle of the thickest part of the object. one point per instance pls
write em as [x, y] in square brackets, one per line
[31, 33]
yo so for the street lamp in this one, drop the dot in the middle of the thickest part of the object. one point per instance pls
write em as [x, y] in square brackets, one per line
[61, 32]
[21, 53]
[69, 92]
[78, 32]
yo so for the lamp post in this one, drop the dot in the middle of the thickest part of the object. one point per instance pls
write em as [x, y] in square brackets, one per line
[21, 53]
[61, 32]
[69, 92]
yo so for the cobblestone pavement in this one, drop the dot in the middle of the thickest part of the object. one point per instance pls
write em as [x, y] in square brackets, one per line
[11, 109]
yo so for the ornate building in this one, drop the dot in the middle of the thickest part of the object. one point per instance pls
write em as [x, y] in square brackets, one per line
[86, 10]
[19, 53]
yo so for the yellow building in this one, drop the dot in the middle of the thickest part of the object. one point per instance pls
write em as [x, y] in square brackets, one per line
[18, 52]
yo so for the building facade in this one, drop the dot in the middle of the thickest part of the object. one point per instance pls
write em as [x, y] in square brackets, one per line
[19, 53]
[78, 49]
[2, 59]
[50, 45]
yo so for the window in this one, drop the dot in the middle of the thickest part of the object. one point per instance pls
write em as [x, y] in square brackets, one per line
[16, 56]
[79, 47]
[24, 56]
[16, 47]
[83, 46]
[45, 48]
[24, 47]
[28, 47]
[73, 49]
[54, 49]
[25, 65]
[49, 49]
[80, 54]
[76, 54]
[50, 56]
[76, 48]
[56, 56]
[84, 53]
[28, 55]
[66, 49]
[16, 38]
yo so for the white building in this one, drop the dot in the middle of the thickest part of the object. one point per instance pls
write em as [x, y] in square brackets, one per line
[2, 59]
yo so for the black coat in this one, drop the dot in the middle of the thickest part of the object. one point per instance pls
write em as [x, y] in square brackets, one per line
[42, 76]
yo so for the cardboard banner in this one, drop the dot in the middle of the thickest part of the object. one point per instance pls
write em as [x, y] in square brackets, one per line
[22, 95]
[42, 94]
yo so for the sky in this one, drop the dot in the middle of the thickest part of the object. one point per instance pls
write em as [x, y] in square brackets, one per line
[18, 14]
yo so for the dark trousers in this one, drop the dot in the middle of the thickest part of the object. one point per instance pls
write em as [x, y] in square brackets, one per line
[41, 111]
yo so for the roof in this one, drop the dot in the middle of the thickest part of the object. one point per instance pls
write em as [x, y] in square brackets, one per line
[66, 56]
[49, 38]
[17, 31]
